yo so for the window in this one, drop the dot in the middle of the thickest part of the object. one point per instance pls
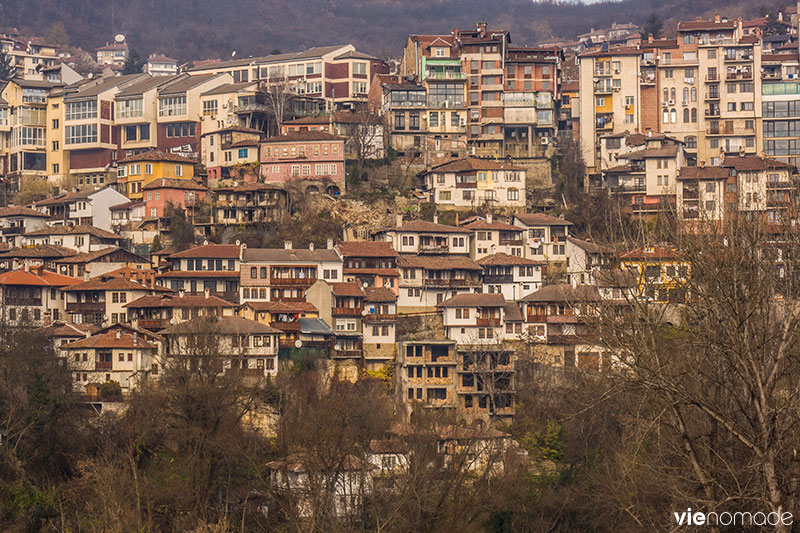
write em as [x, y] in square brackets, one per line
[171, 106]
[399, 120]
[129, 108]
[513, 195]
[179, 170]
[148, 169]
[209, 107]
[81, 110]
[361, 68]
[83, 133]
[243, 153]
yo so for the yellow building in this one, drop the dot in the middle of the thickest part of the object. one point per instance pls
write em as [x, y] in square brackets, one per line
[136, 171]
[57, 160]
[661, 273]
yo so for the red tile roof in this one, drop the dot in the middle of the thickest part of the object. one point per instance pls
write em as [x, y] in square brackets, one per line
[19, 211]
[36, 278]
[170, 183]
[380, 294]
[753, 162]
[109, 339]
[438, 262]
[505, 259]
[651, 252]
[173, 300]
[216, 251]
[282, 307]
[366, 249]
[114, 283]
[540, 219]
[87, 257]
[156, 155]
[74, 230]
[471, 164]
[474, 300]
[347, 289]
[498, 226]
[563, 293]
[297, 136]
[423, 226]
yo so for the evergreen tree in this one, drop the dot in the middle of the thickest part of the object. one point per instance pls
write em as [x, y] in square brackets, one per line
[653, 26]
[133, 63]
[6, 70]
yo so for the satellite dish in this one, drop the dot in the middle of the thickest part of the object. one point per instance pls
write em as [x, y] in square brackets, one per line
[337, 347]
[119, 38]
[298, 343]
[365, 285]
[233, 54]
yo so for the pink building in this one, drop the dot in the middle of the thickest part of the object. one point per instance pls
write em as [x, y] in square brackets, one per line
[314, 158]
[158, 193]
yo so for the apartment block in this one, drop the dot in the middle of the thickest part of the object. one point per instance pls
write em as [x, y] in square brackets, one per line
[314, 159]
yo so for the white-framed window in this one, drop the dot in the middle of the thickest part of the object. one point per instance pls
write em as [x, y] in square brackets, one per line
[134, 169]
[210, 107]
[81, 133]
[170, 106]
[81, 110]
[148, 169]
[179, 170]
[130, 108]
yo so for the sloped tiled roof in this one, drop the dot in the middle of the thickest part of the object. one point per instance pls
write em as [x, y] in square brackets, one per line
[20, 211]
[227, 325]
[379, 294]
[109, 339]
[73, 230]
[36, 278]
[494, 225]
[156, 155]
[303, 255]
[505, 259]
[438, 262]
[471, 164]
[423, 226]
[563, 293]
[367, 249]
[40, 251]
[87, 257]
[217, 251]
[282, 307]
[173, 300]
[540, 219]
[474, 300]
[591, 247]
[347, 289]
[114, 283]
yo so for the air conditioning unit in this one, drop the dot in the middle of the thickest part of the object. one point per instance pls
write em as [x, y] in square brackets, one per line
[685, 103]
[628, 106]
[596, 80]
[791, 76]
[664, 104]
[672, 102]
[615, 89]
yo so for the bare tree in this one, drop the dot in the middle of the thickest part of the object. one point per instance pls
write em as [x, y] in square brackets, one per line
[278, 95]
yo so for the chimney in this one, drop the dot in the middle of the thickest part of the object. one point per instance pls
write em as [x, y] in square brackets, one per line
[86, 276]
[398, 220]
[26, 265]
[119, 333]
[763, 156]
[330, 244]
[717, 17]
[311, 247]
[436, 218]
[702, 163]
[135, 338]
[135, 323]
[287, 245]
[649, 37]
[181, 293]
[488, 218]
[741, 151]
[482, 28]
[207, 292]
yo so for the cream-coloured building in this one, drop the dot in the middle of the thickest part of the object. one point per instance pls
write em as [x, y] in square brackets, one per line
[469, 182]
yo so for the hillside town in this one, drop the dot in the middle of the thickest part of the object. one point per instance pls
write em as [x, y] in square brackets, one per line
[437, 234]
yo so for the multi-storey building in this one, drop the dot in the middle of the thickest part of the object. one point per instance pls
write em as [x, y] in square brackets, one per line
[491, 237]
[99, 262]
[160, 193]
[511, 275]
[117, 353]
[780, 106]
[341, 305]
[25, 151]
[161, 65]
[158, 311]
[88, 208]
[15, 221]
[136, 171]
[284, 274]
[101, 300]
[429, 280]
[223, 149]
[248, 203]
[32, 296]
[211, 267]
[423, 237]
[80, 238]
[330, 77]
[546, 238]
[610, 97]
[91, 137]
[248, 348]
[113, 54]
[380, 327]
[315, 159]
[370, 264]
[427, 375]
[136, 114]
[470, 182]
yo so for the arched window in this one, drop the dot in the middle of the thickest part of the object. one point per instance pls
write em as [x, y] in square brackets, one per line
[672, 93]
[673, 116]
[666, 116]
[685, 94]
[694, 94]
[666, 94]
[686, 114]
[694, 114]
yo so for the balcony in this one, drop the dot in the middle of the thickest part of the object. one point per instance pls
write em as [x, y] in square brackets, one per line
[377, 317]
[462, 282]
[292, 282]
[623, 189]
[102, 365]
[712, 96]
[748, 75]
[447, 75]
[286, 327]
[86, 307]
[348, 311]
[690, 195]
[433, 248]
[498, 278]
[251, 108]
[492, 322]
[780, 185]
[347, 354]
[738, 58]
[511, 242]
[467, 185]
[153, 324]
[536, 318]
[13, 230]
[712, 112]
[712, 77]
[771, 75]
[602, 89]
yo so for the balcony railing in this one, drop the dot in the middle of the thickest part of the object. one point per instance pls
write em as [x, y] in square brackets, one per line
[86, 307]
[433, 248]
[467, 185]
[489, 322]
[377, 317]
[462, 282]
[103, 365]
[536, 318]
[286, 326]
[510, 242]
[348, 311]
[347, 354]
[690, 195]
[153, 323]
[498, 278]
[292, 281]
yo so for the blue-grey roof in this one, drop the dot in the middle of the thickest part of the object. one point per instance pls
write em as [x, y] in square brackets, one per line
[314, 326]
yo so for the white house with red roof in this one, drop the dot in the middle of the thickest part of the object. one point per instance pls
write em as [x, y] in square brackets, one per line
[32, 296]
[511, 275]
[491, 237]
[17, 220]
[211, 267]
[424, 237]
